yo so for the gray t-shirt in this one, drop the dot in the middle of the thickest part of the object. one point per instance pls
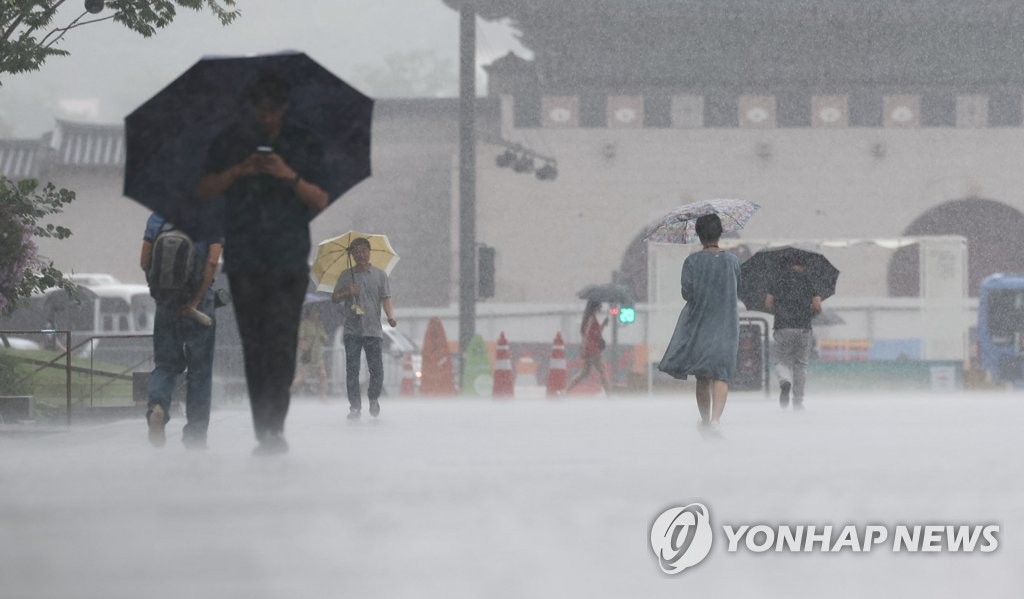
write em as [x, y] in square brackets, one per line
[373, 288]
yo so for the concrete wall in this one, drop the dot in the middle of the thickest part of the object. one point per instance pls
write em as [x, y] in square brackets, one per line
[552, 238]
[106, 227]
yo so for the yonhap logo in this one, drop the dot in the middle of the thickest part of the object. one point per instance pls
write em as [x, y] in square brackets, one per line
[681, 537]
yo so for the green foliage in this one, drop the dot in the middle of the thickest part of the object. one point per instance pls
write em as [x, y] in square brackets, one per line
[23, 207]
[28, 35]
[10, 383]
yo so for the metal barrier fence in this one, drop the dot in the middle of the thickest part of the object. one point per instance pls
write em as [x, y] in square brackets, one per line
[120, 357]
[753, 359]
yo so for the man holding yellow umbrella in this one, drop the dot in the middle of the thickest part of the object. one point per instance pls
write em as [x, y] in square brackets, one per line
[355, 268]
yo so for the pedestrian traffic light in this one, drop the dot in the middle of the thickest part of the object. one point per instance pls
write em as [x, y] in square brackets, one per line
[613, 311]
[627, 314]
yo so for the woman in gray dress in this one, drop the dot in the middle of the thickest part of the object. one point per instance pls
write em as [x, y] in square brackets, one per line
[706, 337]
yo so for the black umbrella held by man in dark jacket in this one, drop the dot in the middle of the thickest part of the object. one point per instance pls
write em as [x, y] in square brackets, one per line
[791, 284]
[760, 270]
[168, 138]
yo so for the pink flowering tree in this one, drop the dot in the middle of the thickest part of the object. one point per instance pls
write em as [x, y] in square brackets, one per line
[23, 209]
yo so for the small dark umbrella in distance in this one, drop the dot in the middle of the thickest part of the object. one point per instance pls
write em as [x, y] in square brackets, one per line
[609, 293]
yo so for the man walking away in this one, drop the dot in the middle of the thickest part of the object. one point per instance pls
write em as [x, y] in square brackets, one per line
[794, 301]
[183, 338]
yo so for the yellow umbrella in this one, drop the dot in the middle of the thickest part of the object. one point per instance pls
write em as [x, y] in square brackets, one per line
[333, 258]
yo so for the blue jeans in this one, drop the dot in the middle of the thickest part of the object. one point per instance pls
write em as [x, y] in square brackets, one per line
[354, 346]
[182, 345]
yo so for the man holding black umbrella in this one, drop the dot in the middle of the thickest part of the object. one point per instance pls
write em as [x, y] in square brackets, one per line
[794, 301]
[271, 174]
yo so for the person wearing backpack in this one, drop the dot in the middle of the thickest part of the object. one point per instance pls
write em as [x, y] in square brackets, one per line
[180, 271]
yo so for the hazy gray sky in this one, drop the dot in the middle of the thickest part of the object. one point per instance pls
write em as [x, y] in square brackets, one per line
[111, 70]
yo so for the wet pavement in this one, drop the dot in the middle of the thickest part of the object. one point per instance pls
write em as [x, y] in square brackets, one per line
[512, 499]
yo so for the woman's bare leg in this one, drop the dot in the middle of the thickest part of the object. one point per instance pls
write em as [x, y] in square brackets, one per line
[719, 395]
[599, 367]
[704, 399]
[583, 374]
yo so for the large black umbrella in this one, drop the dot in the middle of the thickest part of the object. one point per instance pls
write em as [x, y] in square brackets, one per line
[610, 293]
[167, 138]
[758, 272]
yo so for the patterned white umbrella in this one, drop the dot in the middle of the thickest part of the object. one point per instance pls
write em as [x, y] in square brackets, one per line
[678, 226]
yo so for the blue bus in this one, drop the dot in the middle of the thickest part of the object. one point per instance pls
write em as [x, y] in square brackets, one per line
[1001, 327]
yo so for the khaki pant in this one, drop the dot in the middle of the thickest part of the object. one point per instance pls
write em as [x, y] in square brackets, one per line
[791, 354]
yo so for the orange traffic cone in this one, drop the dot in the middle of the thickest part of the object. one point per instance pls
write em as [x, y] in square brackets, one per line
[503, 379]
[437, 379]
[557, 374]
[408, 388]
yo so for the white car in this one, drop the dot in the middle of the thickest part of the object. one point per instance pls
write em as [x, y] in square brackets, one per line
[92, 279]
[22, 343]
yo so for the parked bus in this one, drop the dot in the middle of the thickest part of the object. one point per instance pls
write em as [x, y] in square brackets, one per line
[1001, 327]
[104, 306]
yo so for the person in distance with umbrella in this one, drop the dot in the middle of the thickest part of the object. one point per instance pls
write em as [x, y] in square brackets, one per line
[593, 345]
[363, 289]
[794, 301]
[272, 175]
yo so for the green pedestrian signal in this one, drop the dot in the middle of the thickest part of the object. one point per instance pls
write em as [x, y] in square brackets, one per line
[627, 314]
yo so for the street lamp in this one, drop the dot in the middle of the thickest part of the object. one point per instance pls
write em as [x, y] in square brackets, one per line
[523, 164]
[94, 6]
[505, 159]
[548, 172]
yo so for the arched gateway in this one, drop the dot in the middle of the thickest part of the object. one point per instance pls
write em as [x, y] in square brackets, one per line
[993, 231]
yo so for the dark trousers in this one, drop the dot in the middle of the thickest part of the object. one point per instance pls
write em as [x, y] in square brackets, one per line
[355, 345]
[268, 307]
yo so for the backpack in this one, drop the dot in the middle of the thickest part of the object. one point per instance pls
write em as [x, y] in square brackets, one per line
[171, 275]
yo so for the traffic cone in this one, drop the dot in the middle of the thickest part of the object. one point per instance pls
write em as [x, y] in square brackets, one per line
[437, 379]
[408, 388]
[503, 379]
[557, 374]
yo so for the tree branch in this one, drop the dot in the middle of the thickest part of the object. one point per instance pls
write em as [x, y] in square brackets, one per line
[72, 25]
[46, 16]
